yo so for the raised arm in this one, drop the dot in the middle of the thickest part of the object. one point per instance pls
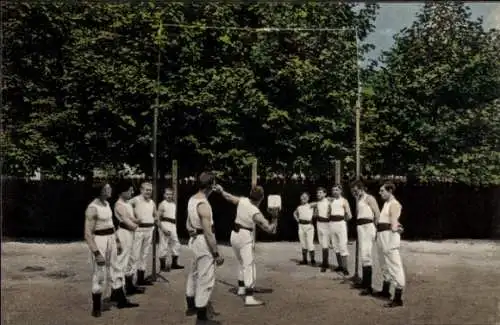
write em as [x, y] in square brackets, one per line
[265, 225]
[229, 197]
[372, 203]
[347, 208]
[205, 217]
[90, 221]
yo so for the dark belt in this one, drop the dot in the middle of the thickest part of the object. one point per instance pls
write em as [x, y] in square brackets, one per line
[383, 227]
[321, 219]
[337, 218]
[361, 221]
[200, 231]
[171, 220]
[237, 228]
[305, 222]
[125, 226]
[146, 225]
[104, 232]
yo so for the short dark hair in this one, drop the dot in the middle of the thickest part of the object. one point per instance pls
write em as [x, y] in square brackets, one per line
[305, 193]
[123, 186]
[168, 189]
[337, 185]
[359, 184]
[256, 193]
[321, 189]
[389, 187]
[98, 187]
[206, 180]
[146, 183]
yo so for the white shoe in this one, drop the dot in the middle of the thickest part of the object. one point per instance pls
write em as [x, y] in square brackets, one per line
[241, 291]
[251, 301]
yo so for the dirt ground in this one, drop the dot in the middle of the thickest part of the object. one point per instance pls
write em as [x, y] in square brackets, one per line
[449, 282]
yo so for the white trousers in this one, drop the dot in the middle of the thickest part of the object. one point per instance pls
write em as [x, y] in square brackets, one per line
[388, 243]
[141, 248]
[338, 233]
[109, 271]
[201, 277]
[366, 238]
[306, 237]
[243, 247]
[324, 237]
[168, 243]
[127, 241]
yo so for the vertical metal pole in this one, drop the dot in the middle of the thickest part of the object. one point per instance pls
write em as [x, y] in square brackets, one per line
[175, 180]
[356, 277]
[337, 172]
[254, 172]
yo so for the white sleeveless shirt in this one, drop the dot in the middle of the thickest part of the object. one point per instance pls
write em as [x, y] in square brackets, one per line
[193, 218]
[245, 213]
[322, 207]
[169, 209]
[143, 209]
[385, 215]
[127, 206]
[364, 210]
[337, 207]
[104, 216]
[305, 212]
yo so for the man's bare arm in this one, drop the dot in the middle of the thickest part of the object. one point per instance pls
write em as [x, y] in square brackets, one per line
[125, 216]
[296, 215]
[229, 197]
[372, 203]
[395, 213]
[90, 221]
[265, 225]
[205, 217]
[347, 208]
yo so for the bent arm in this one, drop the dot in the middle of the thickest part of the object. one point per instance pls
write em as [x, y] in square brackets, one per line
[296, 215]
[125, 216]
[269, 227]
[90, 221]
[347, 208]
[372, 203]
[205, 217]
[230, 198]
[395, 213]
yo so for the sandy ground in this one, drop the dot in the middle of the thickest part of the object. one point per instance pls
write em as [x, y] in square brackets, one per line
[449, 282]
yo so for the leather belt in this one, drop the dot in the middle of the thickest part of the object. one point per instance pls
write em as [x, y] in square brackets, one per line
[362, 221]
[323, 219]
[305, 222]
[171, 220]
[337, 218]
[237, 228]
[146, 225]
[104, 232]
[383, 227]
[125, 226]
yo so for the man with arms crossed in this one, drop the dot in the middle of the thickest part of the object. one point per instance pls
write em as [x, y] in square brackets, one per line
[388, 241]
[367, 216]
[304, 215]
[104, 245]
[168, 231]
[127, 226]
[145, 212]
[323, 210]
[243, 238]
[201, 277]
[340, 213]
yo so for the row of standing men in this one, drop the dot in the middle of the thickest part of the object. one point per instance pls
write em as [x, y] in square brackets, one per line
[121, 255]
[373, 226]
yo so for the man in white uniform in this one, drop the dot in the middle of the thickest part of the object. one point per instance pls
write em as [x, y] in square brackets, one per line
[304, 217]
[145, 212]
[201, 277]
[127, 225]
[248, 216]
[323, 225]
[367, 217]
[340, 213]
[104, 246]
[169, 241]
[388, 241]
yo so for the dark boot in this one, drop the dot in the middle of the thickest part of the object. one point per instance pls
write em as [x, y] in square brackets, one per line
[324, 264]
[304, 257]
[312, 258]
[385, 294]
[175, 263]
[131, 288]
[367, 281]
[141, 280]
[96, 304]
[344, 271]
[163, 264]
[339, 262]
[123, 302]
[191, 308]
[397, 301]
[113, 297]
